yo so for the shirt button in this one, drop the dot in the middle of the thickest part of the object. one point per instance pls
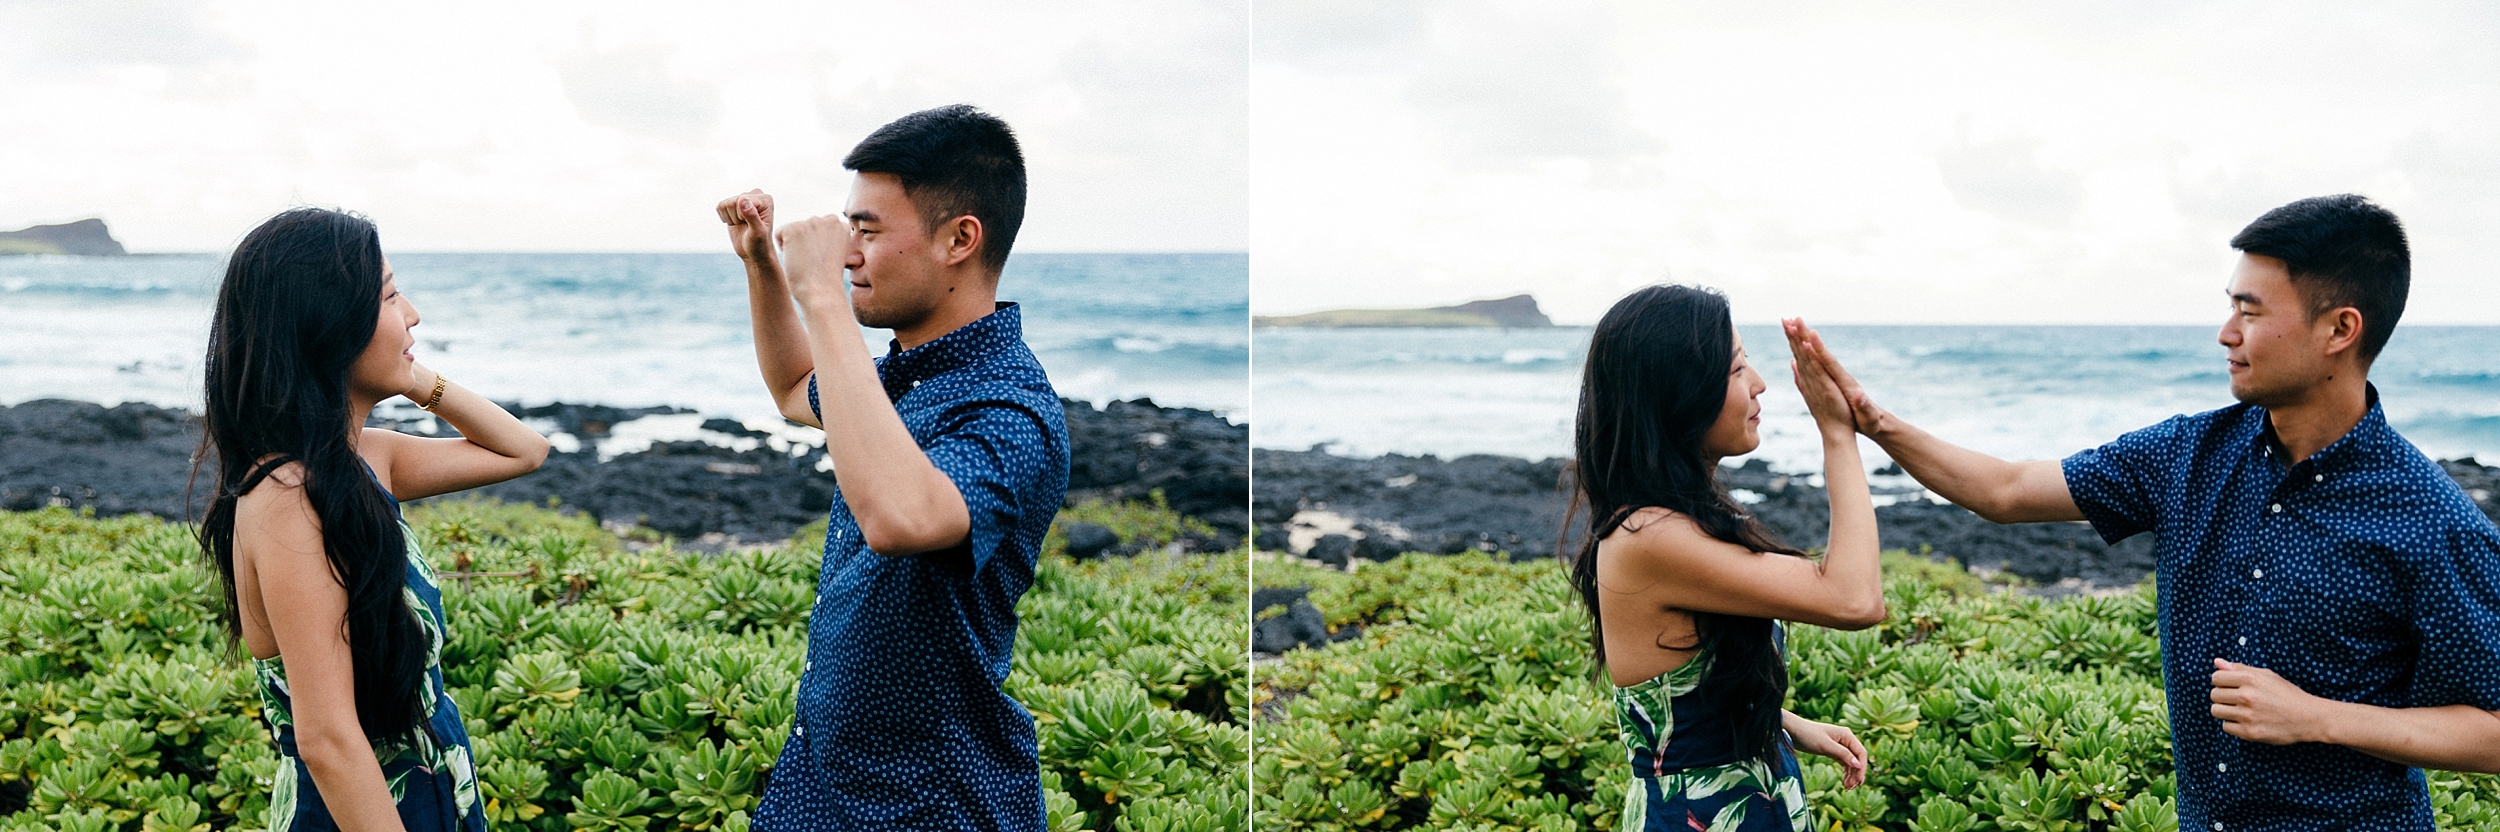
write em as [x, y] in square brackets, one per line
[2277, 508]
[2318, 478]
[800, 730]
[2243, 641]
[2222, 766]
[2217, 825]
[2256, 573]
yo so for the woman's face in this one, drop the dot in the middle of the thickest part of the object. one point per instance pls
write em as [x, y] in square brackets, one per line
[1738, 430]
[387, 368]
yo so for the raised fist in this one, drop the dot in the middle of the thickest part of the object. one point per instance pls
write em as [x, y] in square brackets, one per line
[750, 219]
[816, 250]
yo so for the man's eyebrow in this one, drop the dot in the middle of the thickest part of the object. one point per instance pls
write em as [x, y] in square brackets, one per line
[860, 216]
[2243, 297]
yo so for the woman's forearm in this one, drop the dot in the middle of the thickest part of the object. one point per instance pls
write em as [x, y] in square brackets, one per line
[484, 423]
[350, 781]
[1852, 557]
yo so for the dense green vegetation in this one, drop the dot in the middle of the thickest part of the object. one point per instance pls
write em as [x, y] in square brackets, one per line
[607, 687]
[1469, 703]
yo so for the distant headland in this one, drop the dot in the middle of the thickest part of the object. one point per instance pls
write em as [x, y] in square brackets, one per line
[86, 237]
[1514, 312]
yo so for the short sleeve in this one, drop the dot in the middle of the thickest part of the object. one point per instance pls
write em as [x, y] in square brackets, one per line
[2120, 486]
[2456, 607]
[994, 451]
[812, 405]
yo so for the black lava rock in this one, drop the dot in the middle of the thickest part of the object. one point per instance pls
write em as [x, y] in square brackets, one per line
[1087, 540]
[1261, 599]
[686, 489]
[1378, 548]
[1334, 549]
[733, 427]
[127, 458]
[137, 458]
[1505, 504]
[1300, 626]
[1128, 450]
[589, 421]
[1494, 503]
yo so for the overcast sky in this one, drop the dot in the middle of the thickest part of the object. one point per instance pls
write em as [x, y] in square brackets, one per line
[1899, 162]
[605, 126]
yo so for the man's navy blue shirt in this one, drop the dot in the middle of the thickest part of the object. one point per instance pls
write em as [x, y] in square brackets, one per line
[901, 720]
[2362, 574]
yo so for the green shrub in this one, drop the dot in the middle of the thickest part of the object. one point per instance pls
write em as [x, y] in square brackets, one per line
[1469, 702]
[612, 688]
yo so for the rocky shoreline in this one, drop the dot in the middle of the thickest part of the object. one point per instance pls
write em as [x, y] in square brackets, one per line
[733, 486]
[1333, 509]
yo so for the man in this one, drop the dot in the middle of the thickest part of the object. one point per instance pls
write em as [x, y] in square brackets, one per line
[950, 457]
[2330, 599]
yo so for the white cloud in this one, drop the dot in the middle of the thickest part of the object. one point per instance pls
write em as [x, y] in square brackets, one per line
[1913, 162]
[632, 89]
[470, 125]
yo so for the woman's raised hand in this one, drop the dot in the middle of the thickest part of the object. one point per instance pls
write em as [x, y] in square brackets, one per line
[1824, 397]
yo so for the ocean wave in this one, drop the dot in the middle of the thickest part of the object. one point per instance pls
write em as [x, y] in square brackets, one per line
[2457, 379]
[1163, 348]
[1530, 356]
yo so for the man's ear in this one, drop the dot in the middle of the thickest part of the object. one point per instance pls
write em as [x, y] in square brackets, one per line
[2343, 326]
[963, 238]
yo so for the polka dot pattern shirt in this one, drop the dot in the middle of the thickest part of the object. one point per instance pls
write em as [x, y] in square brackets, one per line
[2362, 574]
[901, 720]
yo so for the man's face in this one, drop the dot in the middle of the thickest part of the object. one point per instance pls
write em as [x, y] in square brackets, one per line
[2276, 349]
[897, 279]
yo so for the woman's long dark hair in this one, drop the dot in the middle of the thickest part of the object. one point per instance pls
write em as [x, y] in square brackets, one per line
[1656, 379]
[297, 308]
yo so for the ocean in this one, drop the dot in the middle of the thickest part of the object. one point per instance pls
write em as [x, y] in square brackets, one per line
[622, 329]
[2021, 392]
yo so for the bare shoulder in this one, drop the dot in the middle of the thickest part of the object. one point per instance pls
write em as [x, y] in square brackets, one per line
[1653, 520]
[1658, 535]
[283, 484]
[1658, 528]
[276, 518]
[381, 448]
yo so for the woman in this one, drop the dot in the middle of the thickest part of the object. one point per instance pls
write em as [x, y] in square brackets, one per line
[1684, 590]
[323, 583]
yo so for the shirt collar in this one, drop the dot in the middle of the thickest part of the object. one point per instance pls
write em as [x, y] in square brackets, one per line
[2347, 450]
[902, 369]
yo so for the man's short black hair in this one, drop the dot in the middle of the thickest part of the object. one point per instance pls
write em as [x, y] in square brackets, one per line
[2341, 251]
[953, 160]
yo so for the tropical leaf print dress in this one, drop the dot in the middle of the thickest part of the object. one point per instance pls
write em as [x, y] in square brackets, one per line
[1686, 773]
[428, 769]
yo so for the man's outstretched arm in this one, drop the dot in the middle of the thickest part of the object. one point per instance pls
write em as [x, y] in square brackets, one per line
[2257, 705]
[903, 503]
[1995, 489]
[780, 339]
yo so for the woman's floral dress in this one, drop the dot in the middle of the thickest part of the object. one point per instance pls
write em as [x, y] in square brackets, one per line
[428, 769]
[1687, 775]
